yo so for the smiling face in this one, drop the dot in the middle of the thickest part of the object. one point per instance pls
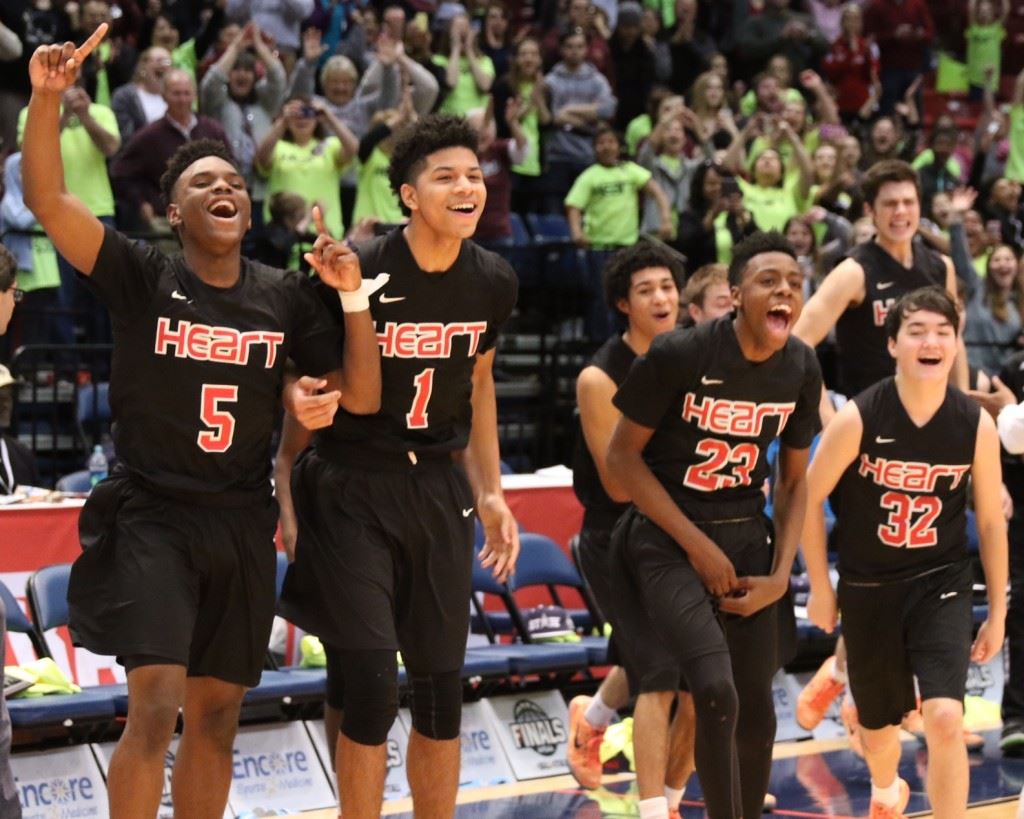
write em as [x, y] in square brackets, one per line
[448, 194]
[1002, 268]
[210, 206]
[769, 299]
[825, 159]
[896, 212]
[653, 303]
[528, 58]
[925, 346]
[799, 235]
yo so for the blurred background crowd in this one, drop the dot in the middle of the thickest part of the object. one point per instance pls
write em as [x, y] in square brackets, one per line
[691, 122]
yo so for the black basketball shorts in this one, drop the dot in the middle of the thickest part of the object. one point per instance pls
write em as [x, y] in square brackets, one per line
[164, 578]
[595, 563]
[665, 615]
[895, 632]
[383, 559]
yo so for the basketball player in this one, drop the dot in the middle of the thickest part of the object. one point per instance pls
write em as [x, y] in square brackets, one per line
[642, 283]
[177, 574]
[699, 411]
[854, 298]
[385, 503]
[897, 460]
[856, 295]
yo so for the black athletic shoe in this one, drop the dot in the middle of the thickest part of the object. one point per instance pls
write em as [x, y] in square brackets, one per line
[1011, 740]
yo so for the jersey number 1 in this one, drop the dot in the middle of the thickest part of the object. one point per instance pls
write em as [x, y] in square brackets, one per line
[222, 423]
[903, 529]
[416, 417]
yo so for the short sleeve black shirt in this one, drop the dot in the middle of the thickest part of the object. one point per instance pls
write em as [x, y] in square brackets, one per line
[714, 412]
[197, 370]
[430, 329]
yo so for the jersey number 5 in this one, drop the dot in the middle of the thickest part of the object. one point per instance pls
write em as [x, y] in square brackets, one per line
[222, 423]
[703, 476]
[910, 520]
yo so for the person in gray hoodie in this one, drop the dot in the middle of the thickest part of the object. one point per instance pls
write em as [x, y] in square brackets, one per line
[580, 98]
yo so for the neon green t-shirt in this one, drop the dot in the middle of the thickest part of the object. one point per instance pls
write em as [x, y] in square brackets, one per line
[85, 166]
[1015, 161]
[530, 123]
[984, 50]
[374, 196]
[770, 207]
[608, 199]
[465, 96]
[638, 129]
[927, 157]
[44, 273]
[723, 239]
[311, 171]
[748, 102]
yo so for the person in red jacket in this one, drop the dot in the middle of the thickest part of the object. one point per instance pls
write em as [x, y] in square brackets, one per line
[904, 31]
[851, 65]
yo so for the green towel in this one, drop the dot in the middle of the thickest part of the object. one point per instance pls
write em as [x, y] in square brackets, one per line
[45, 676]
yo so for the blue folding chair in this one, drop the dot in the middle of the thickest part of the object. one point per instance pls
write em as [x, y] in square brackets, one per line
[73, 712]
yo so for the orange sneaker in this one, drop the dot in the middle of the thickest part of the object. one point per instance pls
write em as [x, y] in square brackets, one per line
[880, 811]
[584, 745]
[818, 695]
[848, 715]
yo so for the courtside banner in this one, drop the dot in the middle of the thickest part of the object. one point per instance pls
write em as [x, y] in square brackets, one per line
[986, 681]
[785, 690]
[276, 766]
[105, 750]
[534, 731]
[483, 759]
[60, 784]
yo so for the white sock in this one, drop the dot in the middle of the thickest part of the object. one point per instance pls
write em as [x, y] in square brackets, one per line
[654, 808]
[598, 714]
[839, 675]
[674, 796]
[887, 796]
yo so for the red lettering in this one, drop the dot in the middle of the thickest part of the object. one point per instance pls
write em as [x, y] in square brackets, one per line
[725, 417]
[429, 339]
[199, 342]
[910, 476]
[880, 308]
[225, 345]
[165, 337]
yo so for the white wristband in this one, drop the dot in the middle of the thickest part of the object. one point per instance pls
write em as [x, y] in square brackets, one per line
[355, 301]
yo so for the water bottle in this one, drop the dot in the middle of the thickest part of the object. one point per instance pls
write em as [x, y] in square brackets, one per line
[97, 465]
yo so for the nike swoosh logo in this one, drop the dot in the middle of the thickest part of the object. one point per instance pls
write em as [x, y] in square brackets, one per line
[467, 512]
[947, 595]
[389, 299]
[176, 295]
[880, 440]
[885, 285]
[710, 381]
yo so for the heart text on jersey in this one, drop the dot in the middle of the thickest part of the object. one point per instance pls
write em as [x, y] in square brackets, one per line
[725, 417]
[428, 339]
[226, 345]
[911, 476]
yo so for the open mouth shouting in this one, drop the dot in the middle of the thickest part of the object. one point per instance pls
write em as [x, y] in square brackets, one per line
[223, 210]
[779, 318]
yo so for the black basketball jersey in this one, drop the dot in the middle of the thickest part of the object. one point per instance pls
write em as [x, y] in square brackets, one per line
[430, 328]
[714, 413]
[614, 359]
[196, 377]
[860, 332]
[900, 506]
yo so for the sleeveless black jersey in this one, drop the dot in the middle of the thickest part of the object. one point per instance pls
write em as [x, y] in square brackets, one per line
[860, 332]
[196, 377]
[714, 413]
[900, 506]
[614, 359]
[430, 328]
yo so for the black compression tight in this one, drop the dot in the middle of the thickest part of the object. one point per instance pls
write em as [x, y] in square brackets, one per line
[734, 733]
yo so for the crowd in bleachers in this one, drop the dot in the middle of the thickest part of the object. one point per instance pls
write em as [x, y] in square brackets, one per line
[691, 121]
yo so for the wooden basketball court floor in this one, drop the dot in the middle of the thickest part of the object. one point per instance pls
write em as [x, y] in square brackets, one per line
[809, 779]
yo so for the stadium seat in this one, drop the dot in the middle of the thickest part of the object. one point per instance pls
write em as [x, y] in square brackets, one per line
[90, 707]
[523, 658]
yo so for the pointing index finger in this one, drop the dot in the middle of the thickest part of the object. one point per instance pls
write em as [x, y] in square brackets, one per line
[318, 220]
[86, 48]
